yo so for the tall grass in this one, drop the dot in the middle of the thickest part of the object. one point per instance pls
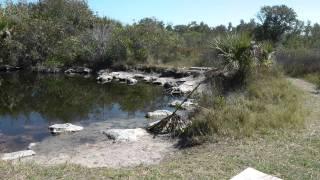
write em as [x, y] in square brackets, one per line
[298, 62]
[301, 62]
[268, 103]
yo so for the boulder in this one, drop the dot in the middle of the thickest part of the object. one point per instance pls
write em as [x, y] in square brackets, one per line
[125, 135]
[17, 155]
[64, 128]
[158, 114]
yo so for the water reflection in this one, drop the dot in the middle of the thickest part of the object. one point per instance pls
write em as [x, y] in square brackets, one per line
[30, 102]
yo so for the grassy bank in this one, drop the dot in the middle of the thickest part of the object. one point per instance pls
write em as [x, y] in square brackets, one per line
[266, 104]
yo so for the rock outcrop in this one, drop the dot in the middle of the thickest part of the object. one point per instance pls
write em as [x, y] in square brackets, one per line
[186, 105]
[78, 70]
[158, 114]
[175, 81]
[64, 128]
[125, 135]
[17, 155]
[125, 77]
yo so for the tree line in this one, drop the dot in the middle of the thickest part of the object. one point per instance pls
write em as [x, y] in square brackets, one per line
[65, 33]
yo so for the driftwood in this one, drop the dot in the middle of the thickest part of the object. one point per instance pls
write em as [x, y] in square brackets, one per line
[173, 124]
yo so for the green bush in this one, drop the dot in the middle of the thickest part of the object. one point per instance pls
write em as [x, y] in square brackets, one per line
[241, 54]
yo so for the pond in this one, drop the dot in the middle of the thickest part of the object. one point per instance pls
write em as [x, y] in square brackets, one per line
[30, 102]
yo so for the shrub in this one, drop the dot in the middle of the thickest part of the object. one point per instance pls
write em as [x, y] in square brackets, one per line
[242, 54]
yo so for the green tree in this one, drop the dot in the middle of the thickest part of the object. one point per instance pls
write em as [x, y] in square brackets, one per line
[275, 21]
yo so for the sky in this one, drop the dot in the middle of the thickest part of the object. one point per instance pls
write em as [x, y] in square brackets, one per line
[212, 12]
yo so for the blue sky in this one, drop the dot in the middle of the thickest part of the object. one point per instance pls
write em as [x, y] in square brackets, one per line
[212, 12]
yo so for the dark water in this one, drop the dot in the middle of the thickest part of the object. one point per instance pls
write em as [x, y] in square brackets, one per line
[30, 102]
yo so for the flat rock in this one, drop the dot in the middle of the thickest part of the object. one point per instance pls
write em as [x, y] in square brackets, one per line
[63, 128]
[17, 155]
[132, 81]
[149, 79]
[188, 104]
[138, 75]
[78, 70]
[187, 86]
[125, 135]
[252, 174]
[162, 81]
[201, 68]
[158, 114]
[105, 78]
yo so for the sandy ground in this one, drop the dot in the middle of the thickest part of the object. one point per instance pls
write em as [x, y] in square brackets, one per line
[91, 148]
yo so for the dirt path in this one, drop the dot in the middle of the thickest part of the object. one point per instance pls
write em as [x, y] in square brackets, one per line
[312, 103]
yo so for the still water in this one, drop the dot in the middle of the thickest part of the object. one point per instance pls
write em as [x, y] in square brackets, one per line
[30, 102]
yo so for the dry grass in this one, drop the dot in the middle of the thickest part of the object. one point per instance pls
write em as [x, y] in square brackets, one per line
[268, 103]
[313, 78]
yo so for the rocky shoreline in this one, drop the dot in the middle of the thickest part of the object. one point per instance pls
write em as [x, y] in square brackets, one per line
[177, 82]
[136, 143]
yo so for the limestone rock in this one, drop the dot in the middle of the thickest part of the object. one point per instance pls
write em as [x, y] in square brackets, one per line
[78, 70]
[105, 78]
[140, 76]
[63, 128]
[17, 155]
[158, 114]
[132, 81]
[125, 135]
[149, 79]
[200, 68]
[187, 105]
[163, 81]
